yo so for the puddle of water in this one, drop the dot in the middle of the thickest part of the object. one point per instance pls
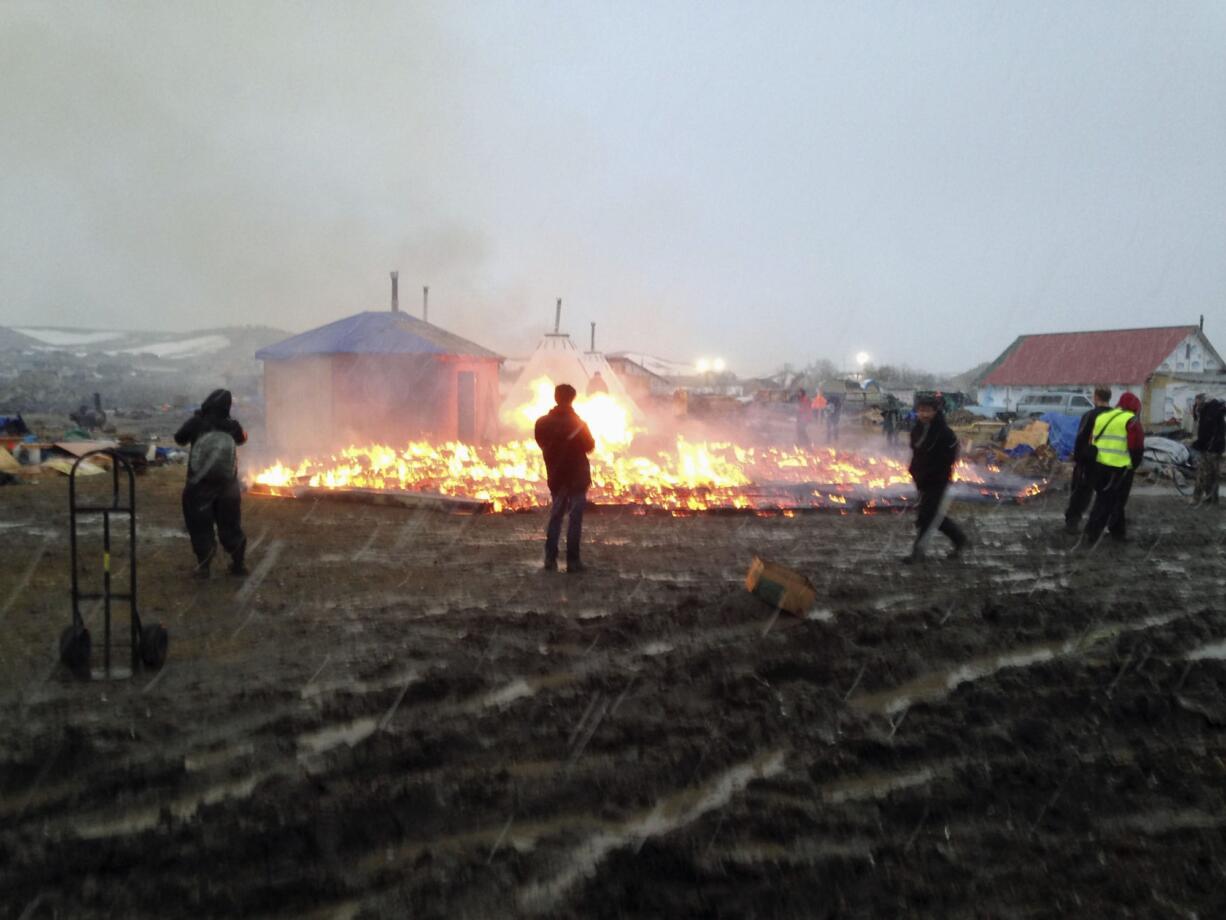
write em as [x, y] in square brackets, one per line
[1213, 650]
[890, 600]
[515, 690]
[350, 733]
[940, 684]
[669, 577]
[878, 785]
[1167, 821]
[183, 808]
[376, 685]
[669, 814]
[593, 613]
[1170, 568]
[522, 687]
[657, 648]
[1010, 577]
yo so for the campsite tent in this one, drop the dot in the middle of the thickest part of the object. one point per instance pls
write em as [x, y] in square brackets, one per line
[378, 377]
[558, 359]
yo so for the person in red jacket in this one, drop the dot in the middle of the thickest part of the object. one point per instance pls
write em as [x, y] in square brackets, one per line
[565, 442]
[1113, 471]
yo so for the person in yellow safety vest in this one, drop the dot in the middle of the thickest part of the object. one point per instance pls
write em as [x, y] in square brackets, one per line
[1119, 443]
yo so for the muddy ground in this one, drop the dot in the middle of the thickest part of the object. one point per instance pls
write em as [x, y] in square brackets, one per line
[397, 714]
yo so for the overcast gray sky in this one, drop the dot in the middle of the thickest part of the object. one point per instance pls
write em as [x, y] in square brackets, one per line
[767, 182]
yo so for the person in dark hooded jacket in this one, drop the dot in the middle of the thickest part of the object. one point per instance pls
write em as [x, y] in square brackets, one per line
[934, 450]
[211, 496]
[565, 442]
[1210, 444]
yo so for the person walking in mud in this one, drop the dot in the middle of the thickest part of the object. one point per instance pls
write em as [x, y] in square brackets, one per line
[211, 496]
[1081, 488]
[934, 450]
[1119, 441]
[565, 442]
[1209, 444]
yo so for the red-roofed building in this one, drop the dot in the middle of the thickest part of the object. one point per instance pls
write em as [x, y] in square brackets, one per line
[1157, 364]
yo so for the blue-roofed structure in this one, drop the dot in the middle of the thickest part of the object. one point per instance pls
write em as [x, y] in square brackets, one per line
[375, 332]
[378, 377]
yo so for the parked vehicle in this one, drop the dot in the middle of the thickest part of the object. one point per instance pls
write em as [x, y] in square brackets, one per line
[947, 400]
[992, 413]
[1038, 404]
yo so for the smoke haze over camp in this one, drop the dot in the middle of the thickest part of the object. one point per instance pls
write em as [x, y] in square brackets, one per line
[770, 183]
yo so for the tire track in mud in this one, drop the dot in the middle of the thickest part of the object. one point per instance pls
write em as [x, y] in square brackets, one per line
[467, 784]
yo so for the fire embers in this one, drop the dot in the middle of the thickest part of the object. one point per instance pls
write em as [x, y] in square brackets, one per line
[690, 477]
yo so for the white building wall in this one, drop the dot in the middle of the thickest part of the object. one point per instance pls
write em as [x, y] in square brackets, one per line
[1191, 356]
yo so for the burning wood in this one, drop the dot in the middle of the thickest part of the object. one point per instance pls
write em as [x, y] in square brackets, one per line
[691, 477]
[688, 476]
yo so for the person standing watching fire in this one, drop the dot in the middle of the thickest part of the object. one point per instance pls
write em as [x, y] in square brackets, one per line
[804, 412]
[834, 410]
[1120, 442]
[1081, 489]
[211, 496]
[565, 442]
[934, 450]
[1209, 444]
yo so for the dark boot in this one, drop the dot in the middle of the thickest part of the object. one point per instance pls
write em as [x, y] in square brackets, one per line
[574, 566]
[237, 564]
[551, 565]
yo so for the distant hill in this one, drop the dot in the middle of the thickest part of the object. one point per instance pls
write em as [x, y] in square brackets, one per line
[172, 346]
[11, 340]
[51, 369]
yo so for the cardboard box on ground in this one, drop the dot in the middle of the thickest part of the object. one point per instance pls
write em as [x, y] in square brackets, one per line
[780, 586]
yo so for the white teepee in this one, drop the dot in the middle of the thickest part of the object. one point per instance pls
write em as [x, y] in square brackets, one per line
[560, 361]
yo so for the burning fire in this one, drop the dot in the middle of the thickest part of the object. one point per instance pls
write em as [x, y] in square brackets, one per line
[610, 420]
[688, 477]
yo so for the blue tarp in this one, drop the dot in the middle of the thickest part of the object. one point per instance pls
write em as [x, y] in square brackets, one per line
[1061, 433]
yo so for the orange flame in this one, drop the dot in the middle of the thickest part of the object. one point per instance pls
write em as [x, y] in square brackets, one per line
[690, 476]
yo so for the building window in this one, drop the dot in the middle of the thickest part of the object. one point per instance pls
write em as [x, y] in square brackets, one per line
[1187, 351]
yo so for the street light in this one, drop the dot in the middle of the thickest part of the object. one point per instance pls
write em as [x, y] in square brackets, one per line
[718, 365]
[703, 365]
[862, 358]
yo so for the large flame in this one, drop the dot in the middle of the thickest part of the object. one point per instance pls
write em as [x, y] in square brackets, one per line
[689, 476]
[610, 420]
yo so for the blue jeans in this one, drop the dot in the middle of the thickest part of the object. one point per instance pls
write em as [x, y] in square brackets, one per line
[564, 501]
